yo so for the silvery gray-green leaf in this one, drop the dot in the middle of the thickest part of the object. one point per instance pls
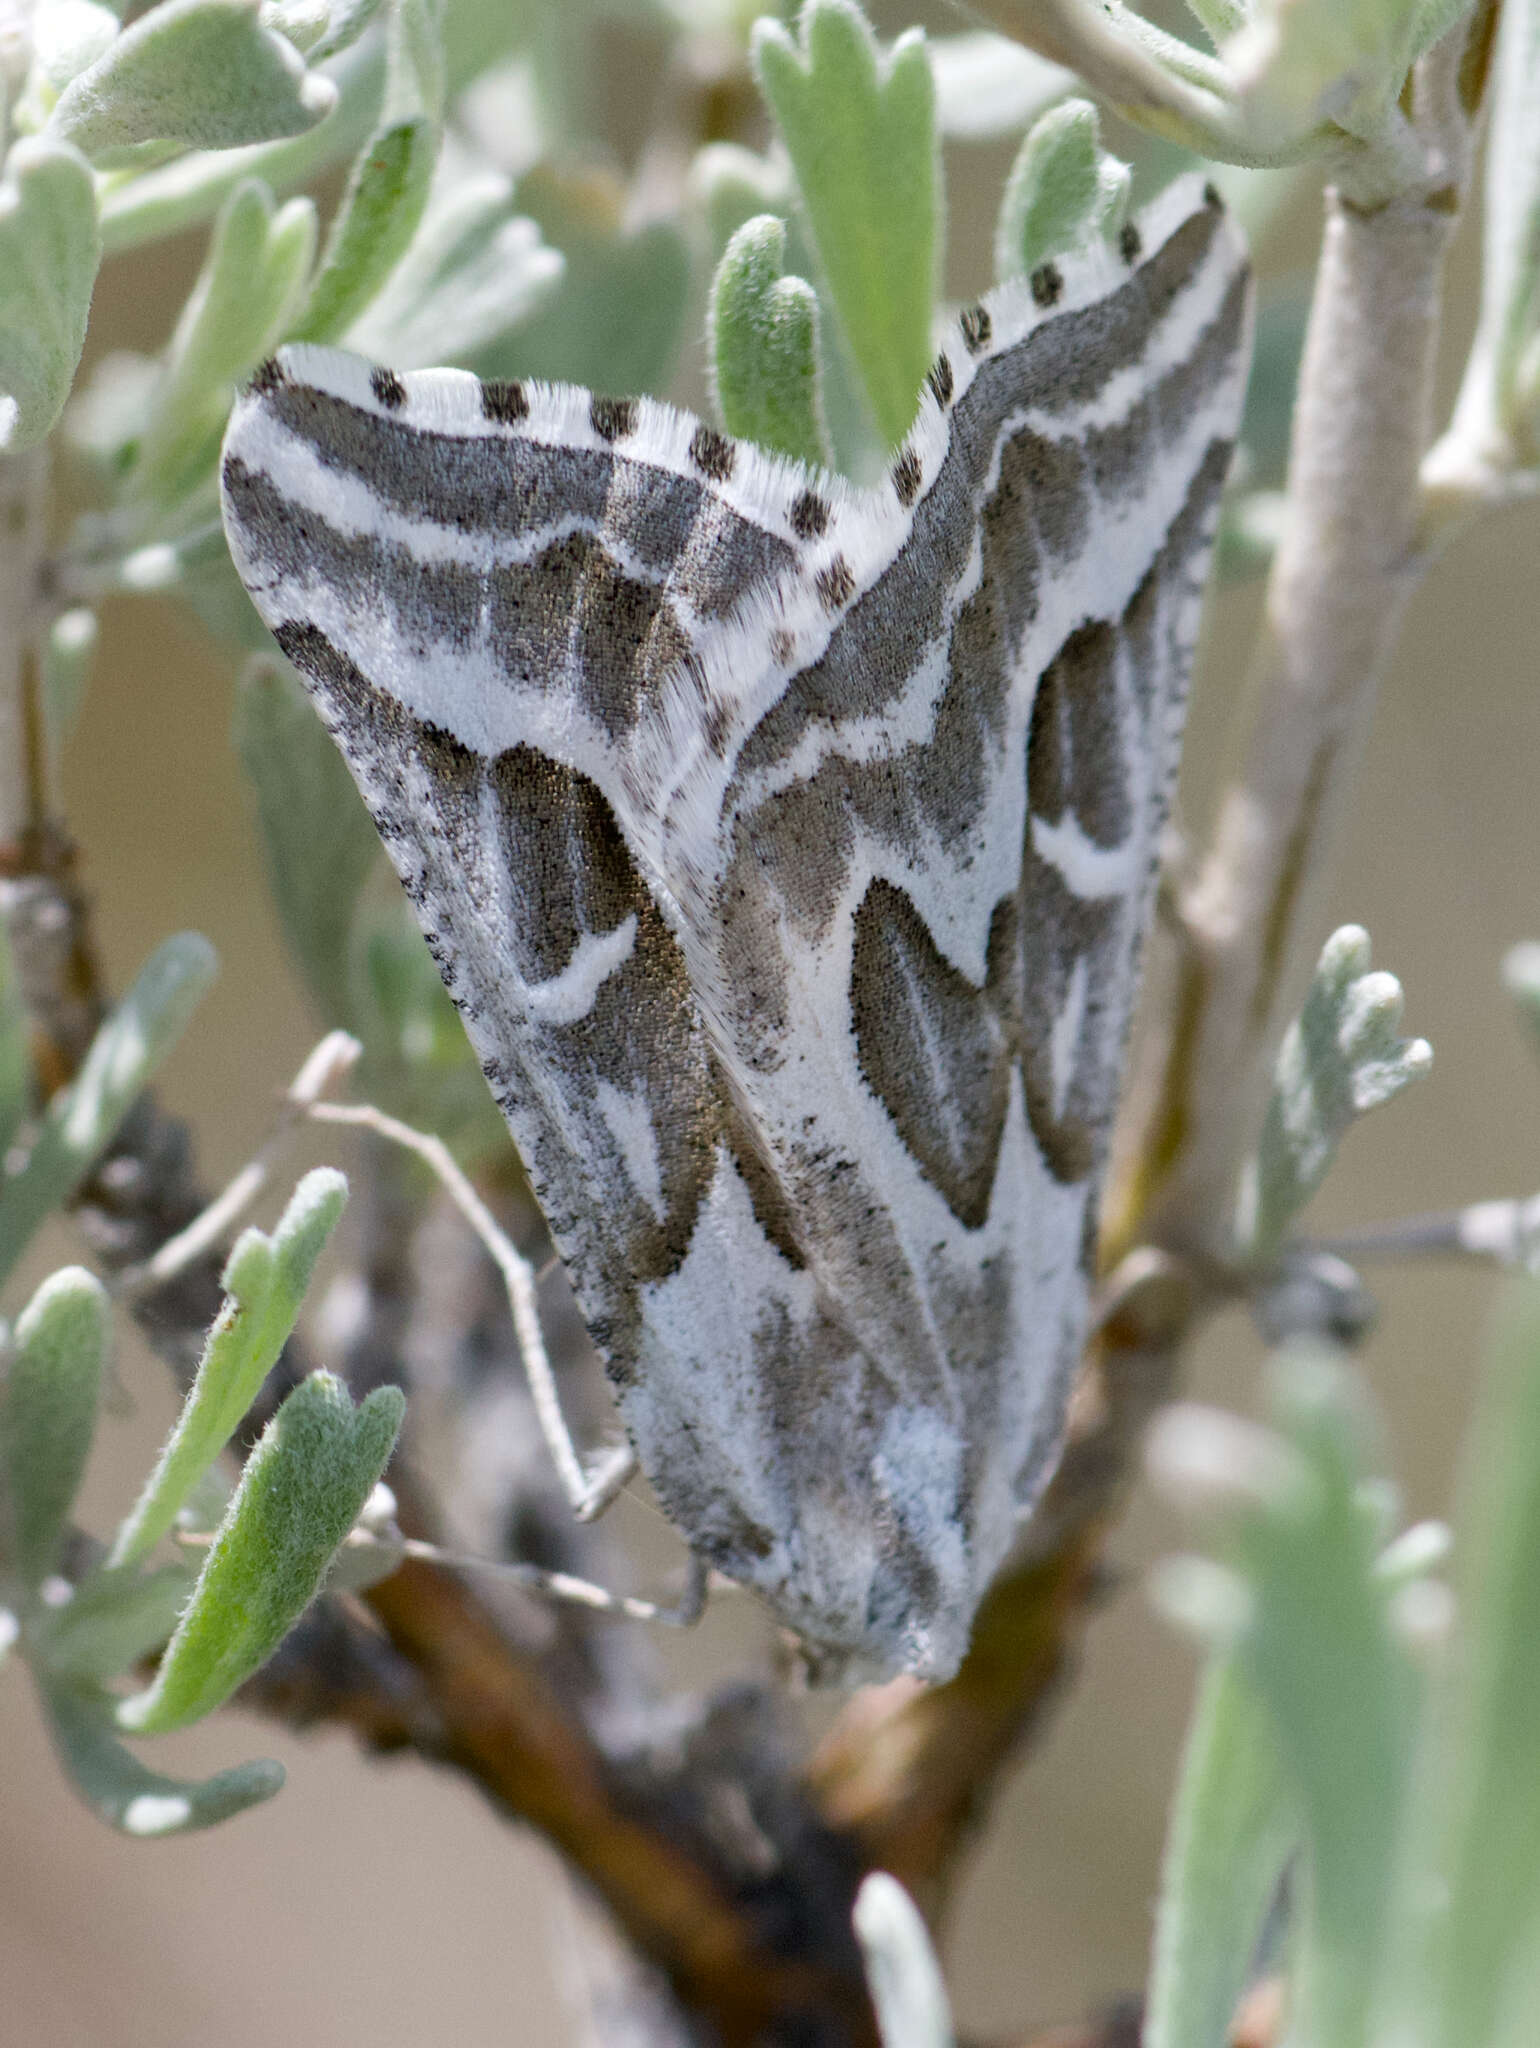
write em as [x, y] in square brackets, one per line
[166, 199]
[1497, 417]
[763, 330]
[83, 1118]
[265, 1279]
[49, 251]
[110, 1621]
[1233, 1830]
[204, 73]
[48, 1415]
[301, 1491]
[126, 1793]
[1487, 1858]
[257, 265]
[860, 129]
[388, 188]
[1323, 1627]
[1062, 192]
[1300, 62]
[1220, 19]
[1342, 1057]
[475, 271]
[319, 841]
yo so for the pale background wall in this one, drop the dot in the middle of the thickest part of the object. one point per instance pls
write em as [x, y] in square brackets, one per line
[380, 1903]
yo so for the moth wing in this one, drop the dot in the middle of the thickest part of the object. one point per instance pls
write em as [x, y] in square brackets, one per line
[754, 823]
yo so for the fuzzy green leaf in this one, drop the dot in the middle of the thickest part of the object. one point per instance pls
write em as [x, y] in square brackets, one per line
[1323, 1654]
[1503, 364]
[388, 188]
[172, 197]
[127, 1795]
[319, 841]
[110, 1622]
[901, 1968]
[265, 1279]
[764, 346]
[1298, 62]
[346, 22]
[1220, 19]
[614, 320]
[258, 260]
[861, 133]
[1062, 191]
[475, 272]
[1489, 1861]
[83, 1119]
[302, 1489]
[1232, 1833]
[48, 1412]
[50, 247]
[201, 72]
[1342, 1057]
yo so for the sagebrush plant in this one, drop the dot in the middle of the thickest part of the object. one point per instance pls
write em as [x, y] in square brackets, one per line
[1355, 1819]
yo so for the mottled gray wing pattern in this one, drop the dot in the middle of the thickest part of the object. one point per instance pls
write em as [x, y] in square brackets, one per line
[787, 850]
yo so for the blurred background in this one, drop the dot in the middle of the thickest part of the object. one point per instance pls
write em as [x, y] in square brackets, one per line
[379, 1902]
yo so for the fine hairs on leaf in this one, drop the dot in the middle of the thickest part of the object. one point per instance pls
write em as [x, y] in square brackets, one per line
[859, 127]
[49, 249]
[1316, 1618]
[1487, 1847]
[48, 1408]
[1343, 1057]
[258, 262]
[301, 1491]
[764, 346]
[1233, 1830]
[1063, 189]
[265, 1279]
[201, 72]
[388, 188]
[126, 1793]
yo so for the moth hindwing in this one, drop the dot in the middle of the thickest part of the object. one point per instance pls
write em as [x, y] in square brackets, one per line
[787, 849]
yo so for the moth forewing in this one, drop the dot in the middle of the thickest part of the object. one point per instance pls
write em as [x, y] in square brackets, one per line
[787, 849]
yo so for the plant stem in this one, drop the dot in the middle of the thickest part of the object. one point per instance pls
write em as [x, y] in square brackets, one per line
[1340, 583]
[23, 534]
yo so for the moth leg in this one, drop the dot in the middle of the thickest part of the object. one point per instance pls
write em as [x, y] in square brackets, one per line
[591, 1488]
[326, 1067]
[684, 1612]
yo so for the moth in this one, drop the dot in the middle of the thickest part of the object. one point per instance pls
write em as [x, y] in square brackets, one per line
[787, 848]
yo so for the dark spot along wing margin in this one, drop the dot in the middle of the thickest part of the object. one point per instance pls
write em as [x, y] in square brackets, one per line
[594, 1046]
